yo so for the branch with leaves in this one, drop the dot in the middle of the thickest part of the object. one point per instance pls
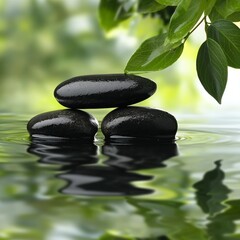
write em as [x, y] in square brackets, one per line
[181, 17]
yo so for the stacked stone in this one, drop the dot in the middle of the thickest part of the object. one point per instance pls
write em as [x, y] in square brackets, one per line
[105, 91]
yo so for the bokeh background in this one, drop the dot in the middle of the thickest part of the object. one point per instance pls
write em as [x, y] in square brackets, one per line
[44, 42]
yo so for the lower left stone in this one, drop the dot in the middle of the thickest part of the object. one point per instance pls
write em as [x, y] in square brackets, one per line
[64, 123]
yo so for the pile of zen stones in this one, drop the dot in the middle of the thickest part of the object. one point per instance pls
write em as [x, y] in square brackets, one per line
[105, 91]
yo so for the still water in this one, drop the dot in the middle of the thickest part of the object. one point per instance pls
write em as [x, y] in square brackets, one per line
[68, 190]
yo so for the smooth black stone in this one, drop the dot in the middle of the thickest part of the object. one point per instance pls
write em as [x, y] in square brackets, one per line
[139, 122]
[63, 123]
[104, 91]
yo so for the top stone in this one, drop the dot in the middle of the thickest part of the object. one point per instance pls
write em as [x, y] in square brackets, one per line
[104, 91]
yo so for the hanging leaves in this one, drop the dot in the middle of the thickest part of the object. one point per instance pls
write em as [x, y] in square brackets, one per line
[168, 2]
[184, 19]
[209, 6]
[149, 6]
[227, 35]
[112, 12]
[181, 18]
[212, 68]
[154, 54]
[229, 10]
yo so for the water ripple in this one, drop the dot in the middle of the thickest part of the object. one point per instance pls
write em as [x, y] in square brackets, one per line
[105, 160]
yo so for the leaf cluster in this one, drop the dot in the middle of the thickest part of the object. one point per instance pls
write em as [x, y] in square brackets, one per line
[181, 17]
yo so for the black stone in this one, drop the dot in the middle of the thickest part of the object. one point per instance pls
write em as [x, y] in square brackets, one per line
[104, 91]
[139, 123]
[63, 123]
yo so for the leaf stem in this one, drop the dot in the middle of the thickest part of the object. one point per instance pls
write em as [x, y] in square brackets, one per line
[203, 19]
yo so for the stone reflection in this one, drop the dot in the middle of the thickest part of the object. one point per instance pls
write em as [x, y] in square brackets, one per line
[64, 151]
[141, 155]
[102, 181]
[78, 163]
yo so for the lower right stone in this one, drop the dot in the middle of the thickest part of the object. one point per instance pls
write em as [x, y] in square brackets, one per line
[139, 123]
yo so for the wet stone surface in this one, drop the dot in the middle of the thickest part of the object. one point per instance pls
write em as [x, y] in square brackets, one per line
[63, 123]
[139, 122]
[104, 91]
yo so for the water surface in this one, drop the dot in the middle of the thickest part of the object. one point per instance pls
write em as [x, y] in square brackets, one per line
[71, 190]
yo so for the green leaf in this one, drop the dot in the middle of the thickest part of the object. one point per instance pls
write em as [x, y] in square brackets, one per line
[229, 9]
[154, 54]
[212, 68]
[149, 6]
[234, 17]
[210, 6]
[113, 12]
[227, 35]
[168, 2]
[184, 18]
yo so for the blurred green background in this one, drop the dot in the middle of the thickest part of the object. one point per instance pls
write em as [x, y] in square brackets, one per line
[44, 42]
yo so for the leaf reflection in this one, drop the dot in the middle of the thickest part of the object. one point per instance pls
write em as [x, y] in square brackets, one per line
[211, 191]
[222, 225]
[168, 218]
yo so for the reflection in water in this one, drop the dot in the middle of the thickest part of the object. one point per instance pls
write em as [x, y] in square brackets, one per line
[111, 179]
[223, 225]
[102, 181]
[136, 156]
[112, 236]
[64, 151]
[29, 189]
[169, 218]
[211, 191]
